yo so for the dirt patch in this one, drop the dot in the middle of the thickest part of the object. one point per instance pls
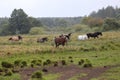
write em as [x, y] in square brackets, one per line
[67, 72]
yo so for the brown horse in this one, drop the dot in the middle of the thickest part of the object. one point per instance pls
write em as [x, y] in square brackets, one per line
[60, 41]
[66, 35]
[15, 38]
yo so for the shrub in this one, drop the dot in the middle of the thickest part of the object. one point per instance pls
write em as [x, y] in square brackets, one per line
[7, 65]
[70, 57]
[71, 61]
[64, 62]
[37, 74]
[87, 65]
[55, 64]
[17, 62]
[81, 62]
[23, 63]
[48, 61]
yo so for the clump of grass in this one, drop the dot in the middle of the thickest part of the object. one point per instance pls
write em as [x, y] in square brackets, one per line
[81, 62]
[63, 62]
[6, 64]
[55, 64]
[23, 64]
[17, 62]
[36, 63]
[37, 75]
[87, 64]
[48, 61]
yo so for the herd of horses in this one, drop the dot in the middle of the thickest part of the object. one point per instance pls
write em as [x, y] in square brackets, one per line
[89, 35]
[61, 39]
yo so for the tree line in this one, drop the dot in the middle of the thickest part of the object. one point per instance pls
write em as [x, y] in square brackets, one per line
[19, 22]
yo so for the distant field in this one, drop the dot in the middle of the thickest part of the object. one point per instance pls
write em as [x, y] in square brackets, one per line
[100, 52]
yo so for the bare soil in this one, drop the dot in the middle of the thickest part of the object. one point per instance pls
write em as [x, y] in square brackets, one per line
[67, 72]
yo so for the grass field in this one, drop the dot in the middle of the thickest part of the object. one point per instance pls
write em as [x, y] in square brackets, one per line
[104, 51]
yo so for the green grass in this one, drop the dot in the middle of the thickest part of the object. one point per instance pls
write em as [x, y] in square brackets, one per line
[13, 77]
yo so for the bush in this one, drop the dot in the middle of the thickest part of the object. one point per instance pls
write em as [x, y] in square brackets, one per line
[48, 61]
[17, 62]
[37, 75]
[23, 64]
[87, 65]
[55, 64]
[7, 65]
[64, 62]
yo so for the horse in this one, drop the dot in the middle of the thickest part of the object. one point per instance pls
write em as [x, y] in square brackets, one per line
[92, 35]
[15, 38]
[95, 34]
[82, 37]
[42, 40]
[66, 35]
[98, 33]
[60, 41]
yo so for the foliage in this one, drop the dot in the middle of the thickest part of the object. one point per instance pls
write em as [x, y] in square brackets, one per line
[111, 24]
[106, 12]
[36, 30]
[19, 22]
[92, 22]
[38, 75]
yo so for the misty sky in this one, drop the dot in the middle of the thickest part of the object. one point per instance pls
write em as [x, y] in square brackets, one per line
[55, 8]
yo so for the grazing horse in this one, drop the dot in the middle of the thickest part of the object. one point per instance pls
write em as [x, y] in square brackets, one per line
[60, 41]
[15, 38]
[82, 37]
[42, 40]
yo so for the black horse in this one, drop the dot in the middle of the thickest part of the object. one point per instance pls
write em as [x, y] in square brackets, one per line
[94, 35]
[98, 33]
[42, 40]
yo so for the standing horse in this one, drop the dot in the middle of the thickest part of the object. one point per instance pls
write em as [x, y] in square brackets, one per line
[98, 33]
[82, 37]
[66, 35]
[15, 38]
[60, 41]
[92, 35]
[42, 40]
[95, 34]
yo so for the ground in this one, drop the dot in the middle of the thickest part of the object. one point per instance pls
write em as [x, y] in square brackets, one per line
[68, 72]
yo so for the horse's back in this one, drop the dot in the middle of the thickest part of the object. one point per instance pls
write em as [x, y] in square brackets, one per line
[82, 37]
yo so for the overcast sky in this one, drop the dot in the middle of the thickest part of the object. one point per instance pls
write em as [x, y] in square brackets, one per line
[55, 8]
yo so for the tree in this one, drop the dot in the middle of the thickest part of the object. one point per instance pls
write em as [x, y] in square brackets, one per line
[111, 24]
[19, 22]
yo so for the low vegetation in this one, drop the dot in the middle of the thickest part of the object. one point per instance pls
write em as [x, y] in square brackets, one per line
[27, 53]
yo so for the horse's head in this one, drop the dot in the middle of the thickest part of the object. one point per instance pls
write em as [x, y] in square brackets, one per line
[69, 34]
[10, 38]
[19, 37]
[101, 33]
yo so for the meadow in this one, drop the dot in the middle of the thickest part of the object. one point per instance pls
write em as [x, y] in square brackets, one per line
[101, 52]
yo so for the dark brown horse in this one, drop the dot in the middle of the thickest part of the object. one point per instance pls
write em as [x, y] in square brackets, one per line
[60, 41]
[15, 38]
